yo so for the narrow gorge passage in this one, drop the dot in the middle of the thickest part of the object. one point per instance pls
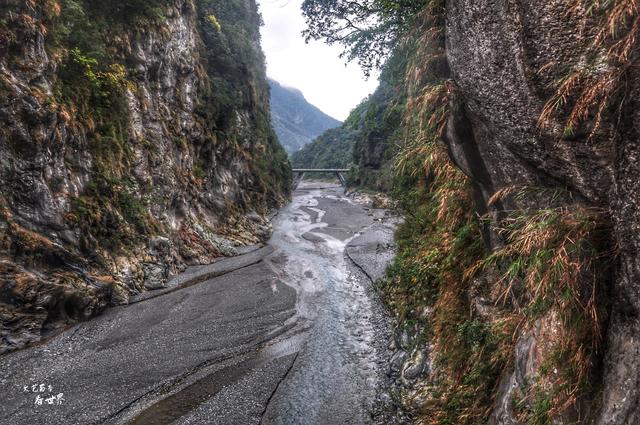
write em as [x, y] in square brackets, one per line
[294, 335]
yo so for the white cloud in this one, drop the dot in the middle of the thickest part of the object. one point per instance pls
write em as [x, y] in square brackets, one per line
[314, 68]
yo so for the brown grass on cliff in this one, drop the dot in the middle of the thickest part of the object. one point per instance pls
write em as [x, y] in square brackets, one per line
[592, 87]
[549, 274]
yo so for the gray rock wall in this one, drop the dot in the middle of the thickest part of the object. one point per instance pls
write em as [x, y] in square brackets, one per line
[506, 57]
[93, 177]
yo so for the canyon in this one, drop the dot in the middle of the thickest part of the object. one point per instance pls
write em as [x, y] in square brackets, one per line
[145, 199]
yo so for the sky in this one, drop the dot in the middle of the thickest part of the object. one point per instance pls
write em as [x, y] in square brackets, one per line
[313, 68]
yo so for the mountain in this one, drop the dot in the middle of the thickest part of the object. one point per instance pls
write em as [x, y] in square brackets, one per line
[296, 121]
[366, 138]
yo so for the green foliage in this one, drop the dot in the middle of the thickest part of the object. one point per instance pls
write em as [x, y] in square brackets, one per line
[123, 12]
[101, 87]
[273, 171]
[97, 99]
[333, 149]
[214, 22]
[89, 25]
[235, 60]
[535, 409]
[198, 172]
[110, 214]
[369, 30]
[134, 211]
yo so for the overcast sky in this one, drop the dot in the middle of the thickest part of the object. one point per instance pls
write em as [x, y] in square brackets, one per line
[314, 68]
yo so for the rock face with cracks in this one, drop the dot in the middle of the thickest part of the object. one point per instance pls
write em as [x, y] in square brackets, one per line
[505, 59]
[135, 139]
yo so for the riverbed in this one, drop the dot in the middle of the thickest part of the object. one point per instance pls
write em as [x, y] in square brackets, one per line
[289, 333]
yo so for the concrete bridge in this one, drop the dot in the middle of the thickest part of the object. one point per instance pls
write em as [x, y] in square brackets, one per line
[300, 172]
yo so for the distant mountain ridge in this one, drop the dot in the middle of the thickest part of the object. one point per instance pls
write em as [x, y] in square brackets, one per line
[296, 121]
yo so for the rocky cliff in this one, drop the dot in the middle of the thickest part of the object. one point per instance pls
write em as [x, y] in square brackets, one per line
[515, 286]
[544, 106]
[135, 139]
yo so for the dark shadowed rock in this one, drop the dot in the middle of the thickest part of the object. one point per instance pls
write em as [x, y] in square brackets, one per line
[397, 361]
[416, 366]
[155, 275]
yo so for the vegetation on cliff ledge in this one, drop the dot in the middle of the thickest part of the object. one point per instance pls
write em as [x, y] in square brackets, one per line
[135, 136]
[476, 277]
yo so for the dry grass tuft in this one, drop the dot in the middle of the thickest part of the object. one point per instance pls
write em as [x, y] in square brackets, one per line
[591, 88]
[549, 269]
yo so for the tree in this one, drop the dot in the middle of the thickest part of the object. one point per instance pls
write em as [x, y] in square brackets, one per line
[368, 29]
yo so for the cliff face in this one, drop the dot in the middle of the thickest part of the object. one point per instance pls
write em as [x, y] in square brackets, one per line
[515, 285]
[135, 139]
[506, 60]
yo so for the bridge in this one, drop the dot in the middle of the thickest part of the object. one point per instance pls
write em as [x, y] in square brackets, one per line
[300, 172]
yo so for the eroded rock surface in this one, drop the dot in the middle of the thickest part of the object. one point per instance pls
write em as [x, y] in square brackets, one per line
[506, 59]
[130, 146]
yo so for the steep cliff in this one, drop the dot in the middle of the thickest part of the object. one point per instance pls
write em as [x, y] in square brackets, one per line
[135, 138]
[515, 285]
[559, 114]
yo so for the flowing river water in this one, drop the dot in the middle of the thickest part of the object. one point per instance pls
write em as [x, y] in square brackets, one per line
[287, 334]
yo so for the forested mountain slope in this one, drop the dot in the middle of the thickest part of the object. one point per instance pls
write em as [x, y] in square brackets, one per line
[296, 121]
[135, 138]
[516, 286]
[332, 149]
